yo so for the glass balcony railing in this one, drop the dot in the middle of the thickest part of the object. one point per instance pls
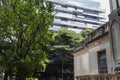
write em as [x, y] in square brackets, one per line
[68, 24]
[73, 24]
[68, 10]
[67, 3]
[94, 15]
[63, 10]
[81, 19]
[78, 11]
[93, 21]
[88, 8]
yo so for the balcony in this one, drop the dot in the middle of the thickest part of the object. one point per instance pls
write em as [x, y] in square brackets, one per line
[94, 15]
[68, 24]
[93, 21]
[80, 19]
[78, 11]
[99, 77]
[58, 2]
[93, 9]
[63, 10]
[60, 9]
[77, 6]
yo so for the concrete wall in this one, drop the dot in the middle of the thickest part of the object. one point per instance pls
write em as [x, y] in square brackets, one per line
[113, 4]
[81, 65]
[115, 38]
[94, 61]
[86, 62]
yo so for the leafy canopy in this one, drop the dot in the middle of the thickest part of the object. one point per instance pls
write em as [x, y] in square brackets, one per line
[60, 53]
[23, 34]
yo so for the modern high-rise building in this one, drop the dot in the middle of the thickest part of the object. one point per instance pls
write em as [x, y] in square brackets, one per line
[77, 14]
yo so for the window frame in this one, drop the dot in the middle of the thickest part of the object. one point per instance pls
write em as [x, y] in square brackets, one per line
[98, 55]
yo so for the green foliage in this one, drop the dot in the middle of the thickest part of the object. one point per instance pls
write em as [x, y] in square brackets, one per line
[23, 34]
[60, 52]
[61, 49]
[75, 36]
[31, 79]
[84, 33]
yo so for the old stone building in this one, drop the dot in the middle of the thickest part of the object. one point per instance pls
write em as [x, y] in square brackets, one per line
[98, 56]
[93, 55]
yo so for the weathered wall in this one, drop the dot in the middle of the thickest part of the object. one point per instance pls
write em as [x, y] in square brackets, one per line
[114, 4]
[82, 64]
[93, 58]
[115, 38]
[85, 61]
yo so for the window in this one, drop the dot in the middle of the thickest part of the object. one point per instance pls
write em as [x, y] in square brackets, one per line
[102, 62]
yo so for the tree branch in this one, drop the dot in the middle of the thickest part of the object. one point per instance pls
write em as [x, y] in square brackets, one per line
[34, 34]
[22, 30]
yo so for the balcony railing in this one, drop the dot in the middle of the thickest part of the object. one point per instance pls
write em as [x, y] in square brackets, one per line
[60, 9]
[81, 19]
[99, 77]
[94, 15]
[70, 4]
[70, 25]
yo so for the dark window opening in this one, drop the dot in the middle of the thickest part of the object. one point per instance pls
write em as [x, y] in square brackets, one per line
[102, 62]
[64, 6]
[64, 19]
[75, 8]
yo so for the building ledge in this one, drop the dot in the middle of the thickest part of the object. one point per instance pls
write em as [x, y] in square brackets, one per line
[100, 32]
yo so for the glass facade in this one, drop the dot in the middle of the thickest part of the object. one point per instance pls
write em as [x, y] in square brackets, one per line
[78, 11]
[89, 3]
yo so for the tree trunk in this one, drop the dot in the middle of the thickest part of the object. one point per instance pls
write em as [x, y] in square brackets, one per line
[21, 75]
[62, 68]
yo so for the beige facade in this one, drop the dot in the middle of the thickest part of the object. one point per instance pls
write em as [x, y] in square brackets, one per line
[86, 58]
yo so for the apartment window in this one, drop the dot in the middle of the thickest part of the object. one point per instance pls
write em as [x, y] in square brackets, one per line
[102, 62]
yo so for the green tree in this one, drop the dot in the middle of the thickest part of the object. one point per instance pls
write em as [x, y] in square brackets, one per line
[23, 34]
[84, 33]
[60, 52]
